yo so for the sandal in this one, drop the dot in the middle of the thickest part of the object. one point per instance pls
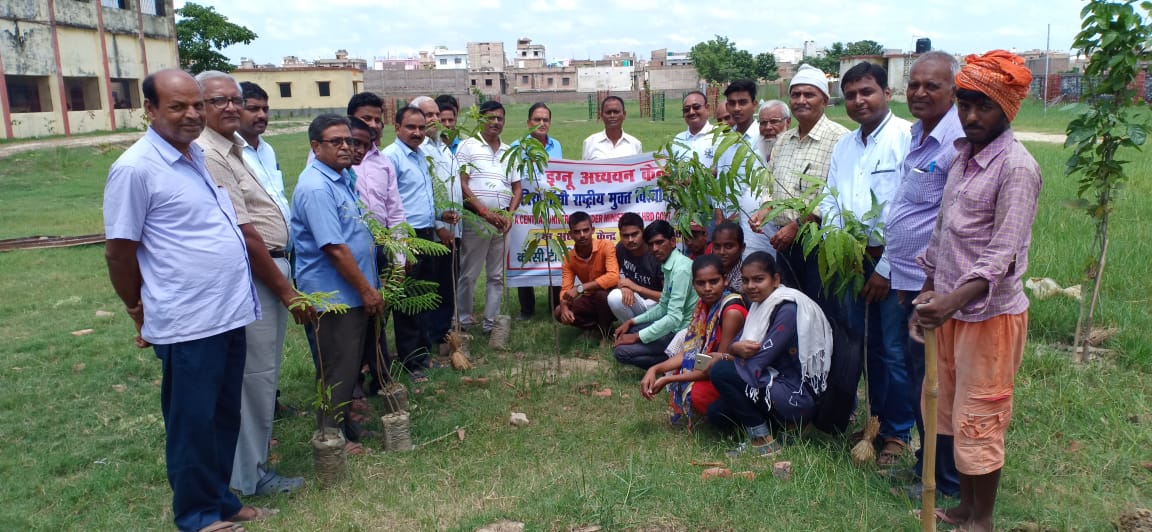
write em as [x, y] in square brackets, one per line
[433, 363]
[222, 526]
[256, 513]
[418, 377]
[892, 452]
[941, 516]
[763, 451]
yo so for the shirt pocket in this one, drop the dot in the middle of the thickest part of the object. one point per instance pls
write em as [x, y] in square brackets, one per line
[926, 188]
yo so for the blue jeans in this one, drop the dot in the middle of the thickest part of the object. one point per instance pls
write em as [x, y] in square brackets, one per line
[200, 398]
[890, 390]
[947, 478]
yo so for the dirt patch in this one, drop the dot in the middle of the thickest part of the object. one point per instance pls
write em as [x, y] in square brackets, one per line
[568, 366]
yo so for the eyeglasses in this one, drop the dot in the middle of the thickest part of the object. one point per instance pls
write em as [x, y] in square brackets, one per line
[339, 141]
[775, 121]
[693, 107]
[221, 102]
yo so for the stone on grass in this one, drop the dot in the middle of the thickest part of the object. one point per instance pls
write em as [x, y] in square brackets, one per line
[782, 470]
[518, 419]
[105, 314]
[715, 472]
[83, 332]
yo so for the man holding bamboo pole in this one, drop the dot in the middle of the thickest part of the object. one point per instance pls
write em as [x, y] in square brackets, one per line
[973, 296]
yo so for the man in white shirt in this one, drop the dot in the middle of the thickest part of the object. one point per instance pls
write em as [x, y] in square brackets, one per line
[613, 141]
[698, 137]
[868, 163]
[740, 97]
[487, 187]
[774, 119]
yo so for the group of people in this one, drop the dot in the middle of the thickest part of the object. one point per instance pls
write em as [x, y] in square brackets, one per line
[207, 254]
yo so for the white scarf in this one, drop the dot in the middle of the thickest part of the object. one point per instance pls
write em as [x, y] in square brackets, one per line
[814, 334]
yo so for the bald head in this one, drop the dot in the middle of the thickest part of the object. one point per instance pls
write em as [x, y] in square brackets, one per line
[174, 104]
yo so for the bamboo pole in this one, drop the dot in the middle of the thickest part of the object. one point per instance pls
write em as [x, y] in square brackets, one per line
[931, 397]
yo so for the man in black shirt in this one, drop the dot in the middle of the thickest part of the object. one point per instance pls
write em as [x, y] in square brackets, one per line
[641, 279]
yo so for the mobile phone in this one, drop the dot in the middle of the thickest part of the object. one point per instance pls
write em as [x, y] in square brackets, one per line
[703, 362]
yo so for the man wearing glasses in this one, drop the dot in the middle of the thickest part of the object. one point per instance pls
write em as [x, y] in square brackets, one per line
[774, 120]
[265, 230]
[698, 137]
[334, 253]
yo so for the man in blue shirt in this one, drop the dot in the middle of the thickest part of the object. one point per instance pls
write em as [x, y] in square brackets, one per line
[335, 253]
[414, 331]
[540, 118]
[177, 260]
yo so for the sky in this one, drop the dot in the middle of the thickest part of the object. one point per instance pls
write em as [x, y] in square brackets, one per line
[589, 29]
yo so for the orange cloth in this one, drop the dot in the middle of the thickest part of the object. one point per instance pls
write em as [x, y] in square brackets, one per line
[977, 376]
[600, 267]
[1000, 75]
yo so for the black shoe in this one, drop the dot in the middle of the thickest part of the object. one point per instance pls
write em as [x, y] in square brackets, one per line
[523, 317]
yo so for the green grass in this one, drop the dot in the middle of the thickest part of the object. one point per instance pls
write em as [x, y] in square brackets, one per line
[81, 455]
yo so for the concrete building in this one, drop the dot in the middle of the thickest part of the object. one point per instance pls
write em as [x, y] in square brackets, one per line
[529, 55]
[543, 79]
[486, 56]
[342, 61]
[410, 63]
[604, 78]
[76, 66]
[450, 59]
[305, 91]
[488, 83]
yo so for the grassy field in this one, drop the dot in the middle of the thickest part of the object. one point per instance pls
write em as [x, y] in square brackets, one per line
[83, 438]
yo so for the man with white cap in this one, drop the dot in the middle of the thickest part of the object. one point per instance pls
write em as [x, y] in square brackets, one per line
[803, 151]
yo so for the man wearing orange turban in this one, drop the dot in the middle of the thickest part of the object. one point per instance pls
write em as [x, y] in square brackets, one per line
[974, 263]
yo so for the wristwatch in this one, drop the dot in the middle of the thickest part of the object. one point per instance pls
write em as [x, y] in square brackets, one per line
[580, 289]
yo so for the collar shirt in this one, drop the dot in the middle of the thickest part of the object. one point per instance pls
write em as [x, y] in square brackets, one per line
[487, 172]
[677, 300]
[262, 161]
[196, 280]
[912, 212]
[599, 146]
[793, 156]
[861, 172]
[444, 170]
[374, 179]
[600, 267]
[326, 211]
[224, 157]
[748, 202]
[552, 148]
[702, 143]
[985, 226]
[415, 184]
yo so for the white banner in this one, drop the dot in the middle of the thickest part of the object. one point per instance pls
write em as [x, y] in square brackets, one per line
[605, 189]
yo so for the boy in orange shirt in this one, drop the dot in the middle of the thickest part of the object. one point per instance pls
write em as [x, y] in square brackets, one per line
[588, 274]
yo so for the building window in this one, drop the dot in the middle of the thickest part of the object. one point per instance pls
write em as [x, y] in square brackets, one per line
[152, 7]
[115, 4]
[126, 93]
[285, 89]
[566, 81]
[488, 83]
[458, 60]
[551, 82]
[28, 94]
[443, 61]
[523, 80]
[473, 83]
[324, 88]
[536, 53]
[83, 94]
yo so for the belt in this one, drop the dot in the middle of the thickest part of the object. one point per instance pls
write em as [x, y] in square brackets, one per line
[278, 253]
[874, 251]
[427, 233]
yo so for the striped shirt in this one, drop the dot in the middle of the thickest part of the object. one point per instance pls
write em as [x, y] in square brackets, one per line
[985, 226]
[912, 213]
[487, 172]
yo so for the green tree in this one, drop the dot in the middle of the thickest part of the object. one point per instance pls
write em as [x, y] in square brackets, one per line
[830, 61]
[719, 61]
[766, 67]
[200, 34]
[1114, 119]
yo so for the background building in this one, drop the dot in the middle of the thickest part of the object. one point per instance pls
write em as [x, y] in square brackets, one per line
[76, 66]
[302, 88]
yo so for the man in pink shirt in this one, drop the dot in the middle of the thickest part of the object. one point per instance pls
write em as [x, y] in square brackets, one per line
[974, 263]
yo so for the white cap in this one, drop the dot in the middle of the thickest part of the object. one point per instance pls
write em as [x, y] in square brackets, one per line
[810, 75]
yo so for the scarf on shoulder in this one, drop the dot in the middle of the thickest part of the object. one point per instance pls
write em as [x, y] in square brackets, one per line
[814, 336]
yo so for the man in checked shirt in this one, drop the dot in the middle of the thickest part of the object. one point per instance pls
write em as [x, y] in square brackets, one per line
[974, 263]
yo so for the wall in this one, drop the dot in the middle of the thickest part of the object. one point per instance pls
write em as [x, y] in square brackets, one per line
[673, 78]
[599, 78]
[416, 81]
